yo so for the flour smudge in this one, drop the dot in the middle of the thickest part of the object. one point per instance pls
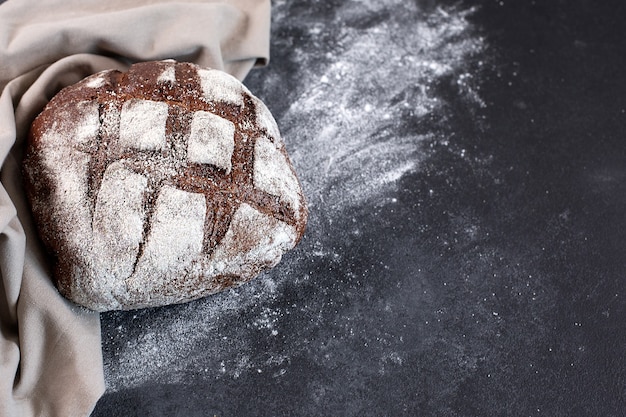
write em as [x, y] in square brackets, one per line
[346, 127]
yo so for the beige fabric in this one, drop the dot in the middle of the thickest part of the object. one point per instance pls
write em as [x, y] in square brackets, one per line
[50, 354]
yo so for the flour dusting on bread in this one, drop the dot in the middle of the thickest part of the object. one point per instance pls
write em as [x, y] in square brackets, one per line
[160, 185]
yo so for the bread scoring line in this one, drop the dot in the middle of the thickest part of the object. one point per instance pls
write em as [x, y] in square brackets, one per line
[206, 178]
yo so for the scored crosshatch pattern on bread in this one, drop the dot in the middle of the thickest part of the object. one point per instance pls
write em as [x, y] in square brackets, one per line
[177, 160]
[144, 143]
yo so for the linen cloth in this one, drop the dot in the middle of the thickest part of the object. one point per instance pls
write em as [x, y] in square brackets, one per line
[50, 351]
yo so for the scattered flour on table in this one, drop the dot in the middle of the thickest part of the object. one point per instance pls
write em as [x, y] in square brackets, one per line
[352, 132]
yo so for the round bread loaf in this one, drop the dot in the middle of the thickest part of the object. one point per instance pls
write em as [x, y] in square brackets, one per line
[160, 185]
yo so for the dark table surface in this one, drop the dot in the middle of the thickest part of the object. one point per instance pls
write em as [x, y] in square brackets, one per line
[465, 168]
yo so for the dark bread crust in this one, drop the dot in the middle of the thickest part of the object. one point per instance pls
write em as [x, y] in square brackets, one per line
[224, 187]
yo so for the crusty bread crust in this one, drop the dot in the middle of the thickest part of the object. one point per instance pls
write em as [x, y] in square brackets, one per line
[160, 185]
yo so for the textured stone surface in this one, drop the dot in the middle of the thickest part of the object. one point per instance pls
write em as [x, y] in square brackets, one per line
[465, 249]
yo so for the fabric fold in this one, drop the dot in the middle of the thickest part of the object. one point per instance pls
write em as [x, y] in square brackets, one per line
[50, 352]
[229, 35]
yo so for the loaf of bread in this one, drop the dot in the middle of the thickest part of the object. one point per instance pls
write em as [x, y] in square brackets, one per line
[160, 185]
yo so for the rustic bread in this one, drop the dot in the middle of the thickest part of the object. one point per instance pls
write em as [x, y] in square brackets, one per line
[160, 185]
